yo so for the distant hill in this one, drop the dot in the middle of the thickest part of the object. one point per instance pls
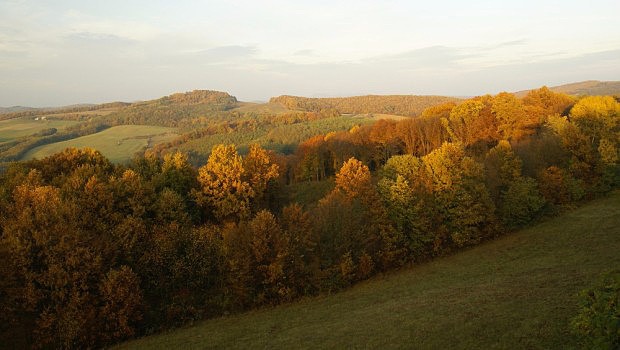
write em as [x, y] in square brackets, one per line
[405, 105]
[589, 87]
[14, 109]
[172, 110]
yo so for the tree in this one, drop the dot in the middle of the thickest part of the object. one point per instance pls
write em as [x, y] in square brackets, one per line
[259, 169]
[598, 117]
[463, 202]
[303, 271]
[591, 137]
[472, 122]
[410, 209]
[271, 261]
[541, 103]
[598, 321]
[559, 188]
[404, 188]
[122, 304]
[516, 197]
[63, 163]
[420, 136]
[385, 138]
[223, 190]
[177, 174]
[354, 180]
[512, 120]
[58, 270]
[380, 240]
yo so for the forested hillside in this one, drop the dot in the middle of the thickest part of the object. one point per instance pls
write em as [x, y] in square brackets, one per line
[173, 110]
[407, 105]
[95, 252]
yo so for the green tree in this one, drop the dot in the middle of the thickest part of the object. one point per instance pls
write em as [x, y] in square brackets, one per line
[177, 174]
[598, 321]
[404, 188]
[462, 200]
[303, 271]
[516, 197]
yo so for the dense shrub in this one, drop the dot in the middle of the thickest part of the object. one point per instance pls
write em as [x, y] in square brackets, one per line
[598, 321]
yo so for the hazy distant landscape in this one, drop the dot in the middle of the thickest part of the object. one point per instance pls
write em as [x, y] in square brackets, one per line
[21, 138]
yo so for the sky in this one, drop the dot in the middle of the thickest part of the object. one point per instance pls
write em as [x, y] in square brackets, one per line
[59, 52]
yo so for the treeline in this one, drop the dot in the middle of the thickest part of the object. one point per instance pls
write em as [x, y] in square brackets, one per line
[405, 105]
[478, 124]
[93, 253]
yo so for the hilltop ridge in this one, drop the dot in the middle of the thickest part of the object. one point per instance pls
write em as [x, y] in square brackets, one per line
[583, 88]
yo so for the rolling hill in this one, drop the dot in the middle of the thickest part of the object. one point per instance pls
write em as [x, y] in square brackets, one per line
[589, 87]
[519, 291]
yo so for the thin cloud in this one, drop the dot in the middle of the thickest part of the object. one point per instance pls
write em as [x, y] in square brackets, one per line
[81, 39]
[305, 52]
[226, 53]
[511, 43]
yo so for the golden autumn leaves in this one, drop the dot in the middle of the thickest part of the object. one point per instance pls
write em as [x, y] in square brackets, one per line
[230, 184]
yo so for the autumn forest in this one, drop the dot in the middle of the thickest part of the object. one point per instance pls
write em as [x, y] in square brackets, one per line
[241, 207]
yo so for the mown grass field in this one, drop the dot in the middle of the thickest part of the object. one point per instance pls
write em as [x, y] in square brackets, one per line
[93, 113]
[517, 292]
[19, 127]
[118, 143]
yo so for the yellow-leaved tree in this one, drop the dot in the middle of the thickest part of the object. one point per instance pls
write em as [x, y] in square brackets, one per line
[231, 188]
[222, 189]
[259, 170]
[463, 202]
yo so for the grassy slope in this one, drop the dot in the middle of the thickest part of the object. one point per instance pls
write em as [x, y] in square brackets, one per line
[118, 143]
[274, 108]
[15, 128]
[516, 292]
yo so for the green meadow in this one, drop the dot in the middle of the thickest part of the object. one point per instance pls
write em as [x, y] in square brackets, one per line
[19, 127]
[118, 143]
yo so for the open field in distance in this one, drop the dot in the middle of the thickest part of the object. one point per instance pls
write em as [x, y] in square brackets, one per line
[117, 143]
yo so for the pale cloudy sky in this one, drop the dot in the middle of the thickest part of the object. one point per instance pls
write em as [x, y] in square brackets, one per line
[60, 52]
